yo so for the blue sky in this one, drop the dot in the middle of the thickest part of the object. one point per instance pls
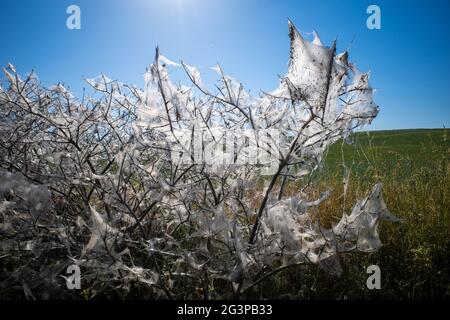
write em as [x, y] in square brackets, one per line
[409, 57]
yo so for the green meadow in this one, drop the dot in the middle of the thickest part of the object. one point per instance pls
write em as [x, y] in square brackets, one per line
[385, 149]
[414, 167]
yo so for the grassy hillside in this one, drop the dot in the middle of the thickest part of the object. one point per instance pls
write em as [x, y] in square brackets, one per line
[387, 147]
[414, 167]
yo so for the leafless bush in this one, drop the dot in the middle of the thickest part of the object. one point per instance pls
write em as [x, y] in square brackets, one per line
[113, 182]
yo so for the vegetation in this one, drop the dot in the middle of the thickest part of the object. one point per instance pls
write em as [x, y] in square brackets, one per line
[176, 192]
[153, 192]
[414, 167]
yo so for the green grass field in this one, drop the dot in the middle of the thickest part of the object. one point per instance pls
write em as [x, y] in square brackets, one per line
[386, 148]
[414, 167]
